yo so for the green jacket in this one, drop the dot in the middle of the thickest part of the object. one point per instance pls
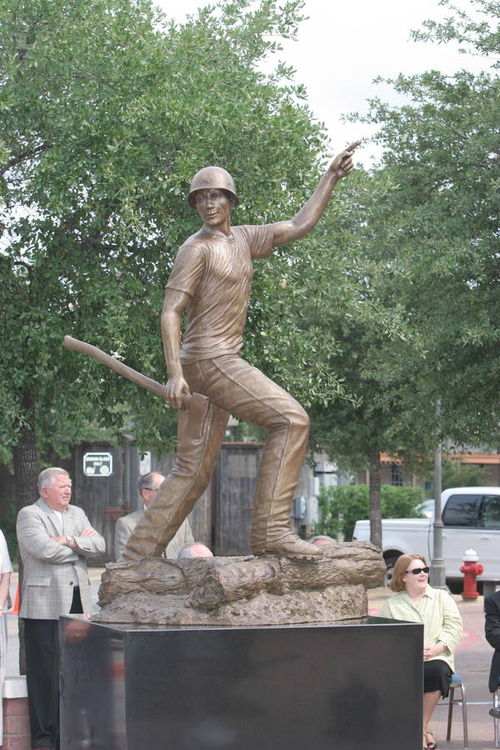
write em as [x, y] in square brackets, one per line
[438, 613]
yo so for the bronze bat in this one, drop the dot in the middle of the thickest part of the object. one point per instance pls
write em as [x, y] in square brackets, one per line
[195, 405]
[124, 370]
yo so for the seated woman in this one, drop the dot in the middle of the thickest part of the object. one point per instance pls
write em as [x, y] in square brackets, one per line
[416, 601]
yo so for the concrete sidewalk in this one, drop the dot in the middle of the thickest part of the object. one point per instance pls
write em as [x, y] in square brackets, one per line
[472, 662]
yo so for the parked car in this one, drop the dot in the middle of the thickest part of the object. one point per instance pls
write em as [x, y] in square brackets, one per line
[471, 520]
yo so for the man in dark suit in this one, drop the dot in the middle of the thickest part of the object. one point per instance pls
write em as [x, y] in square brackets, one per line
[492, 632]
[55, 540]
[148, 485]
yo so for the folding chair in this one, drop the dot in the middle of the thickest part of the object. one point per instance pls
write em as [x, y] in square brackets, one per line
[457, 684]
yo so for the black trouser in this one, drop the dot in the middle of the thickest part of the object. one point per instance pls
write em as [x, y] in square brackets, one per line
[42, 676]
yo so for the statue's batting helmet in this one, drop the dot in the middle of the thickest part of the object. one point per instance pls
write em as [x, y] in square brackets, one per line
[212, 177]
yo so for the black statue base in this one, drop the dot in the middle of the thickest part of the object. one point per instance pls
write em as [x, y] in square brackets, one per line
[343, 686]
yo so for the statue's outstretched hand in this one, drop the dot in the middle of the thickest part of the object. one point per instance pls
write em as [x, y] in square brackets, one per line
[177, 392]
[343, 163]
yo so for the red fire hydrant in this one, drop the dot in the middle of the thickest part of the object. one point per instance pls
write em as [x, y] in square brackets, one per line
[471, 569]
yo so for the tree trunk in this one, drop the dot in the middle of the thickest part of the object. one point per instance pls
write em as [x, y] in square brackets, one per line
[374, 496]
[25, 457]
[25, 461]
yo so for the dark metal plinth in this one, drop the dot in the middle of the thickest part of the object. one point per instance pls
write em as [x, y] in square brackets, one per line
[328, 687]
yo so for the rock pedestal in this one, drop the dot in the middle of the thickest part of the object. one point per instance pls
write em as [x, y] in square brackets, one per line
[267, 590]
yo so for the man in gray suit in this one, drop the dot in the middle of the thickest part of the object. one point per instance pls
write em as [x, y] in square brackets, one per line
[55, 540]
[149, 484]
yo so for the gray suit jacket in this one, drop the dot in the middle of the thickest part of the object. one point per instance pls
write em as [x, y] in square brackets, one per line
[126, 524]
[51, 569]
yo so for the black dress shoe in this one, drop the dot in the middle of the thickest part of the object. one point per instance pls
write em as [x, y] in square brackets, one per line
[495, 712]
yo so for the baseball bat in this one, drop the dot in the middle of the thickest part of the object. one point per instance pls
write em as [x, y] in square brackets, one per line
[124, 370]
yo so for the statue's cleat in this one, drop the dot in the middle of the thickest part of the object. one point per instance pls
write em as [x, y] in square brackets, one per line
[289, 546]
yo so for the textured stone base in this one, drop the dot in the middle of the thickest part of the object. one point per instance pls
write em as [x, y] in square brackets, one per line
[267, 590]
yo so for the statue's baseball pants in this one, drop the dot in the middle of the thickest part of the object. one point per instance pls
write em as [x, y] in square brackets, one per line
[230, 386]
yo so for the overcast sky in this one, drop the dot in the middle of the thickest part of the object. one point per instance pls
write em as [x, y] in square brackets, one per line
[345, 45]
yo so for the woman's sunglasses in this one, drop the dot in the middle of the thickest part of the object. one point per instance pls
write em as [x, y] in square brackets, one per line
[416, 571]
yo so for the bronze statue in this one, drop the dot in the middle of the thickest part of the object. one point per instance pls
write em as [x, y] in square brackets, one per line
[211, 280]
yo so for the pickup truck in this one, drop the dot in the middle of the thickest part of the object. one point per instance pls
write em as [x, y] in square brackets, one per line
[471, 519]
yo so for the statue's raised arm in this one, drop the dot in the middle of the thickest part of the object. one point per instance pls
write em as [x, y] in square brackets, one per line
[311, 212]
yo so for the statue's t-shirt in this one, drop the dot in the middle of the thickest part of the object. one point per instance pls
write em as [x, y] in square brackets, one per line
[216, 271]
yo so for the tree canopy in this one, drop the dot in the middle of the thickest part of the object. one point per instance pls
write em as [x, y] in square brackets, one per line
[418, 242]
[108, 109]
[440, 257]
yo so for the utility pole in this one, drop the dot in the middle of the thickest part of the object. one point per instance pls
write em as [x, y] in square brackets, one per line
[438, 576]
